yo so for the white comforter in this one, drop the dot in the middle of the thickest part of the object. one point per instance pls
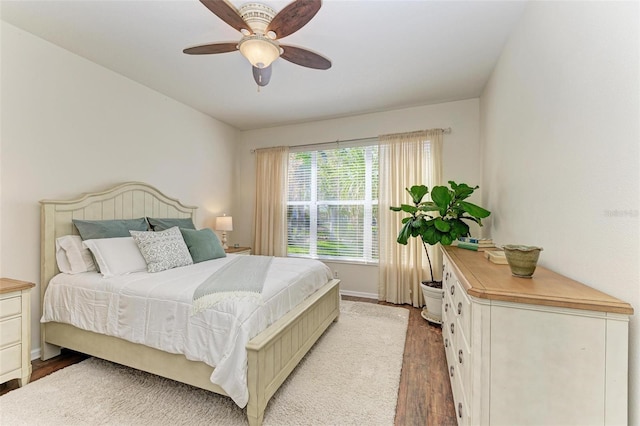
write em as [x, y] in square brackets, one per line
[154, 309]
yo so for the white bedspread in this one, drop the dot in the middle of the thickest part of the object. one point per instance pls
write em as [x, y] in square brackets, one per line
[154, 309]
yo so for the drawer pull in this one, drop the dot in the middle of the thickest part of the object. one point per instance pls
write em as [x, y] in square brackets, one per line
[451, 370]
[453, 289]
[446, 342]
[460, 356]
[452, 328]
[460, 409]
[446, 307]
[459, 308]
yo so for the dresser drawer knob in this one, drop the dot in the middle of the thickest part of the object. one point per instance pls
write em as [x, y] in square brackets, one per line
[460, 356]
[459, 308]
[460, 409]
[452, 331]
[446, 342]
[451, 370]
[446, 307]
[453, 289]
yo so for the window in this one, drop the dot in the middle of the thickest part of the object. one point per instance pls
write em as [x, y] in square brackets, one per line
[332, 205]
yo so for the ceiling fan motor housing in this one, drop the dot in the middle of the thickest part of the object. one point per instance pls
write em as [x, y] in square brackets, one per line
[257, 16]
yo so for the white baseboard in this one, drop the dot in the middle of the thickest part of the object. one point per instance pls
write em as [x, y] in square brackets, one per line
[359, 294]
[35, 353]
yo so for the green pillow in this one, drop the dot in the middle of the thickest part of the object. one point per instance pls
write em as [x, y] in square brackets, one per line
[94, 229]
[162, 224]
[203, 244]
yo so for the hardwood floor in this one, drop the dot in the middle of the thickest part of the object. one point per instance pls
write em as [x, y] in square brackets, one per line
[424, 397]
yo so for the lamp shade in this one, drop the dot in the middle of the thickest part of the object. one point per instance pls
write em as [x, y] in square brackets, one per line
[260, 51]
[224, 223]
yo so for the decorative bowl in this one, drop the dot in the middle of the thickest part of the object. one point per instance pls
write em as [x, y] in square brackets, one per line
[522, 259]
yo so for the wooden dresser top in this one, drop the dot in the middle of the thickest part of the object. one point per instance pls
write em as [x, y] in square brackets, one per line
[7, 285]
[486, 280]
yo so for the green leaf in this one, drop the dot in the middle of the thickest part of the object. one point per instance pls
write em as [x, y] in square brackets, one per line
[446, 240]
[441, 196]
[404, 234]
[462, 191]
[442, 225]
[429, 236]
[474, 210]
[417, 192]
[396, 209]
[408, 208]
[428, 206]
[459, 228]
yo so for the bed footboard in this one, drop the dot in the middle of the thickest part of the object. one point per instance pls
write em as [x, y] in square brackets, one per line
[274, 353]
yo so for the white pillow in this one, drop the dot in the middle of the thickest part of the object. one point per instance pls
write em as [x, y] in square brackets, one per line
[163, 249]
[72, 257]
[116, 256]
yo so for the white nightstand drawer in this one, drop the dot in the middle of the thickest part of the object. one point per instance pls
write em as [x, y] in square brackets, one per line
[10, 359]
[10, 307]
[10, 332]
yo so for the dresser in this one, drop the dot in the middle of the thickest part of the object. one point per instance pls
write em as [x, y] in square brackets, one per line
[15, 330]
[546, 350]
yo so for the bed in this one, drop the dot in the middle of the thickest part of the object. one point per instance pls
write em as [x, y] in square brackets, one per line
[271, 355]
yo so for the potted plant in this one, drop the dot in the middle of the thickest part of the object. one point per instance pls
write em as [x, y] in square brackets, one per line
[441, 220]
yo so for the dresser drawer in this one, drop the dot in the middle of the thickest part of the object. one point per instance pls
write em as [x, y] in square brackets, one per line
[462, 308]
[10, 359]
[10, 332]
[10, 307]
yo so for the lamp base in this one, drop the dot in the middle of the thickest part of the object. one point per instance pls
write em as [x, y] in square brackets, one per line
[224, 240]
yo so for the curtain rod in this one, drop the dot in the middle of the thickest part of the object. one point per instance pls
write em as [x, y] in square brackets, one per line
[445, 131]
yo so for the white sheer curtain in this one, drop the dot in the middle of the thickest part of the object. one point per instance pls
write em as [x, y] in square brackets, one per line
[406, 159]
[270, 213]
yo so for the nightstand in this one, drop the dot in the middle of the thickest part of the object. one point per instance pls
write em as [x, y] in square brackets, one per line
[15, 330]
[238, 250]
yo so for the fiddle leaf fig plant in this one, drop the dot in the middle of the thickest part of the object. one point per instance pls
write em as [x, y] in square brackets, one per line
[441, 220]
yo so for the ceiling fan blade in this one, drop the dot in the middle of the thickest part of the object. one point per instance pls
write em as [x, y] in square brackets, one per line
[305, 58]
[225, 11]
[208, 49]
[293, 17]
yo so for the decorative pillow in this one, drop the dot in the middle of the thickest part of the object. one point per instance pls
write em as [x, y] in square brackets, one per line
[162, 250]
[162, 224]
[72, 257]
[96, 229]
[116, 256]
[203, 244]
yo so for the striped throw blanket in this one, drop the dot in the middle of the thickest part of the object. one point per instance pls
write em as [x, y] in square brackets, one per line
[242, 277]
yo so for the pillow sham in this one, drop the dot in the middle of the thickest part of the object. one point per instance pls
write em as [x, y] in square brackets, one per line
[116, 256]
[72, 257]
[203, 244]
[162, 224]
[98, 229]
[162, 250]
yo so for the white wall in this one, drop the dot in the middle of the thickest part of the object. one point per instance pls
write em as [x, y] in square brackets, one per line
[71, 126]
[461, 158]
[560, 131]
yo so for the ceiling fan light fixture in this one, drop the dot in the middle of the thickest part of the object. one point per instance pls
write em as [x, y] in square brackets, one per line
[259, 50]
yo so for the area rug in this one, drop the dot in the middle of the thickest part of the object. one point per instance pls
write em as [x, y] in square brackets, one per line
[350, 377]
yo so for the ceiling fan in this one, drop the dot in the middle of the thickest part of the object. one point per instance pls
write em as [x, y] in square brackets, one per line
[261, 28]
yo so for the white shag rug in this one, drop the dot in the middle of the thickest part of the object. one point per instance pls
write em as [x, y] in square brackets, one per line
[350, 377]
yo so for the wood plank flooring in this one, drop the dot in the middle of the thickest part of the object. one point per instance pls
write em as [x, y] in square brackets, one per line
[424, 397]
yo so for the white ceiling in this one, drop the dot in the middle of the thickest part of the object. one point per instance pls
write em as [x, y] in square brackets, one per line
[386, 54]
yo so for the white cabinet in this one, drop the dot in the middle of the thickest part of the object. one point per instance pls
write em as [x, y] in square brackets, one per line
[546, 350]
[15, 331]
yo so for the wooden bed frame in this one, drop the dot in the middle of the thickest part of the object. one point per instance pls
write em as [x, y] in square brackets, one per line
[272, 354]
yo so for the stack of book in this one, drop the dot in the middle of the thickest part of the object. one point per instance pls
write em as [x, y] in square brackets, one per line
[477, 244]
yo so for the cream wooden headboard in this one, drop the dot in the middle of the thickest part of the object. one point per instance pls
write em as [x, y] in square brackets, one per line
[126, 201]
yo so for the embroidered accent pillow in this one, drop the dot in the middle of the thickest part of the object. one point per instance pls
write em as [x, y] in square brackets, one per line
[162, 250]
